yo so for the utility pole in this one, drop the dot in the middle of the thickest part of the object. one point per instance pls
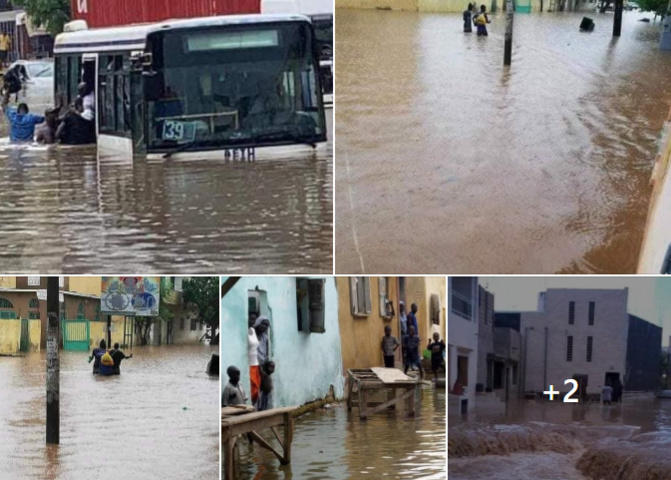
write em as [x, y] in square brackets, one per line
[617, 22]
[53, 366]
[508, 46]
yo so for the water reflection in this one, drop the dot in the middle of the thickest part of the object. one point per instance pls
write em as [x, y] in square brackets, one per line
[158, 420]
[64, 212]
[472, 167]
[335, 444]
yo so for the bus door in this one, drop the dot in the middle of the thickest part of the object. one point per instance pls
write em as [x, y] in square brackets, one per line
[90, 77]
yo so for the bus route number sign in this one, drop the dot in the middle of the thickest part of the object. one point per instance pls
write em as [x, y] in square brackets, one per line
[173, 130]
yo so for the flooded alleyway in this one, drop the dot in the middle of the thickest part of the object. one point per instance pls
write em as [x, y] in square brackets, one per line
[537, 441]
[62, 211]
[155, 421]
[335, 444]
[466, 167]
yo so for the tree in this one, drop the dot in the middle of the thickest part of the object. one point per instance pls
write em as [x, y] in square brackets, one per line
[658, 7]
[50, 14]
[202, 295]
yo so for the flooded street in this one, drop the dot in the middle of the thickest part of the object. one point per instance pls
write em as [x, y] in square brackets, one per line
[535, 441]
[155, 421]
[62, 211]
[467, 167]
[335, 444]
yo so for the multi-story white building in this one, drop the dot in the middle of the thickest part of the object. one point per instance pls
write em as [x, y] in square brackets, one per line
[574, 333]
[462, 334]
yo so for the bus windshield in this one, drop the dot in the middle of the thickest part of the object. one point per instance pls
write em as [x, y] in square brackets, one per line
[234, 86]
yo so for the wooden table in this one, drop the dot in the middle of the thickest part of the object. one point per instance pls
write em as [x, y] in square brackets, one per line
[379, 379]
[234, 423]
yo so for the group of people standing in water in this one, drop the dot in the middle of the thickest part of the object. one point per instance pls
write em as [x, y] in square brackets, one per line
[479, 19]
[107, 362]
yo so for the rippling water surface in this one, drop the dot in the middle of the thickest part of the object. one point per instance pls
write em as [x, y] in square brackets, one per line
[538, 441]
[447, 162]
[63, 212]
[335, 444]
[157, 420]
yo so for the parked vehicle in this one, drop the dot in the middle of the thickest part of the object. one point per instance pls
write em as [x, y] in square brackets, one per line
[38, 87]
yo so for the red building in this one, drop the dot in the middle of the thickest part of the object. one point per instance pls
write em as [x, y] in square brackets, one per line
[105, 13]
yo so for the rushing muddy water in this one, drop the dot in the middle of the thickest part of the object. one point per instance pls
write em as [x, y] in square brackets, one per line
[446, 161]
[157, 420]
[535, 441]
[63, 212]
[335, 444]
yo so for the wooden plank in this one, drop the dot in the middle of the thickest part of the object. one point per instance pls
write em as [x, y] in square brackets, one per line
[236, 410]
[288, 437]
[260, 440]
[232, 420]
[391, 375]
[392, 402]
[229, 471]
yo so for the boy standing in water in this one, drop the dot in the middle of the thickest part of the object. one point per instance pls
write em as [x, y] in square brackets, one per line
[411, 347]
[481, 20]
[437, 347]
[233, 394]
[389, 346]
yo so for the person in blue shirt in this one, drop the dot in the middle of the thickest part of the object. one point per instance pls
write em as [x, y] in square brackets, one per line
[412, 318]
[22, 123]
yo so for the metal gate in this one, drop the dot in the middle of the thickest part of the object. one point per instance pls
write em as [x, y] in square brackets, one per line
[76, 334]
[25, 336]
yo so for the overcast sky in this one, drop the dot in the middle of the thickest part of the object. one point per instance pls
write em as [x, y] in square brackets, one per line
[649, 297]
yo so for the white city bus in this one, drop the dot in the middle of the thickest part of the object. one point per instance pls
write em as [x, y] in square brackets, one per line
[226, 85]
[321, 14]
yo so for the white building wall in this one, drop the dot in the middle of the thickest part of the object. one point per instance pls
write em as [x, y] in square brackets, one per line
[609, 332]
[463, 341]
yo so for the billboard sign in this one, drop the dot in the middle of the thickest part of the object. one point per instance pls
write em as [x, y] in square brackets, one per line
[137, 296]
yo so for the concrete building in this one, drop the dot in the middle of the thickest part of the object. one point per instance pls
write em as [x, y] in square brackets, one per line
[304, 335]
[368, 304]
[462, 346]
[498, 352]
[644, 341]
[577, 333]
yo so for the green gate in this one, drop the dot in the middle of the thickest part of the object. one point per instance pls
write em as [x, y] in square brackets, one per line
[76, 335]
[25, 336]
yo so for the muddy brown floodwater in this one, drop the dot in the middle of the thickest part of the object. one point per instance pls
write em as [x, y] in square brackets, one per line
[447, 162]
[62, 212]
[333, 444]
[543, 441]
[157, 420]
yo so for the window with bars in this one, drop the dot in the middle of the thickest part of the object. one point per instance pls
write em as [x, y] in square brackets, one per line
[34, 303]
[461, 300]
[80, 312]
[4, 303]
[571, 313]
[569, 348]
[591, 313]
[193, 325]
[589, 348]
[34, 315]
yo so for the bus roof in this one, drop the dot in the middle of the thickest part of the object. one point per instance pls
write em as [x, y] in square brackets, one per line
[134, 37]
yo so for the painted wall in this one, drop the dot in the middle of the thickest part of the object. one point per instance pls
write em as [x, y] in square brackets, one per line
[35, 334]
[98, 331]
[463, 341]
[307, 364]
[362, 334]
[86, 285]
[7, 282]
[419, 290]
[10, 336]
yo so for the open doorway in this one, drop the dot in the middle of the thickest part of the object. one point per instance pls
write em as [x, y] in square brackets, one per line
[611, 378]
